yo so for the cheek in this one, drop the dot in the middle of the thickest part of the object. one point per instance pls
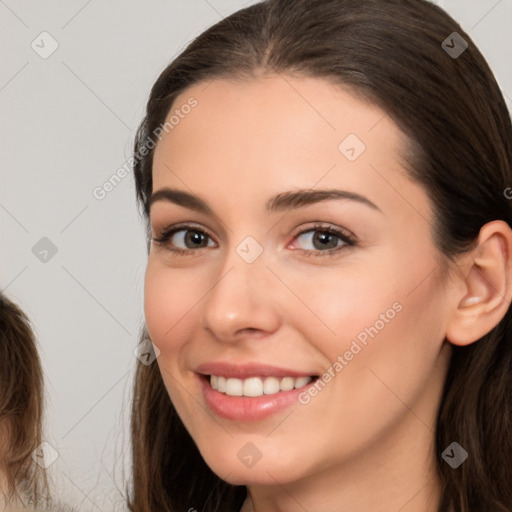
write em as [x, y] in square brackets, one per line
[168, 300]
[156, 311]
[335, 305]
[377, 315]
[400, 331]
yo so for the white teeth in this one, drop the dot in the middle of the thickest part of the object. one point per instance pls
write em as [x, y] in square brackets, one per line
[270, 386]
[221, 384]
[287, 384]
[234, 387]
[302, 381]
[253, 387]
[256, 386]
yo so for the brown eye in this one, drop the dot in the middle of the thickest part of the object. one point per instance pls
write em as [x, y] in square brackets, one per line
[184, 239]
[322, 241]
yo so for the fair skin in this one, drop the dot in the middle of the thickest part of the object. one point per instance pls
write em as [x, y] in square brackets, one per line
[366, 440]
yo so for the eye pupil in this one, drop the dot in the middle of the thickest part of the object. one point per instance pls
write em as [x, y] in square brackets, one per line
[195, 237]
[324, 239]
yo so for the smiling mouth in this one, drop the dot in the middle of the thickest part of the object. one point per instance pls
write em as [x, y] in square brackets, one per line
[257, 386]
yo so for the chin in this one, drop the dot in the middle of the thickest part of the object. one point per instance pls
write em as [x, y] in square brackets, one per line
[251, 477]
[265, 471]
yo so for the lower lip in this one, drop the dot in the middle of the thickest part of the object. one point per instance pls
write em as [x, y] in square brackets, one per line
[243, 408]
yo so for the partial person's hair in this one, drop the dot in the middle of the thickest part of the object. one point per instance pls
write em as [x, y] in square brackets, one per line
[459, 136]
[21, 409]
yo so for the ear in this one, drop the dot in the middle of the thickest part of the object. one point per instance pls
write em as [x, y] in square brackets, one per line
[485, 294]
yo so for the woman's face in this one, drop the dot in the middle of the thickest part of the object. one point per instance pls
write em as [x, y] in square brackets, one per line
[273, 288]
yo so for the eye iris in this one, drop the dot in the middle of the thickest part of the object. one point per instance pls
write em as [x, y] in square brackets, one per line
[194, 237]
[324, 238]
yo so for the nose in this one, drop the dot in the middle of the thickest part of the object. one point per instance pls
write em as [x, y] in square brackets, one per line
[240, 303]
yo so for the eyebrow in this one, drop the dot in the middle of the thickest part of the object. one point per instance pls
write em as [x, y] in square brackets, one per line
[280, 202]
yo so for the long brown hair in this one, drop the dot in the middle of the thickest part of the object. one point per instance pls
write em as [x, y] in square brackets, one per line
[392, 53]
[21, 407]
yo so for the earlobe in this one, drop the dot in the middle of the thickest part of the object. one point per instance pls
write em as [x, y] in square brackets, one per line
[487, 285]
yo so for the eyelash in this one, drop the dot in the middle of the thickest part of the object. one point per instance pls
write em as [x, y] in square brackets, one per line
[348, 240]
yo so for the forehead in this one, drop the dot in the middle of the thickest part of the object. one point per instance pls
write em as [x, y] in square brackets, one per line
[278, 132]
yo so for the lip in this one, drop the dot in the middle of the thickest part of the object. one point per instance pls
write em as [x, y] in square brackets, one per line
[246, 370]
[242, 408]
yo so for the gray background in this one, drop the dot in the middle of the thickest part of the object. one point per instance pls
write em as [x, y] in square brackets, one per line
[67, 125]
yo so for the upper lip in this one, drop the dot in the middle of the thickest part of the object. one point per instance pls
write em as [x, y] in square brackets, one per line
[246, 370]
